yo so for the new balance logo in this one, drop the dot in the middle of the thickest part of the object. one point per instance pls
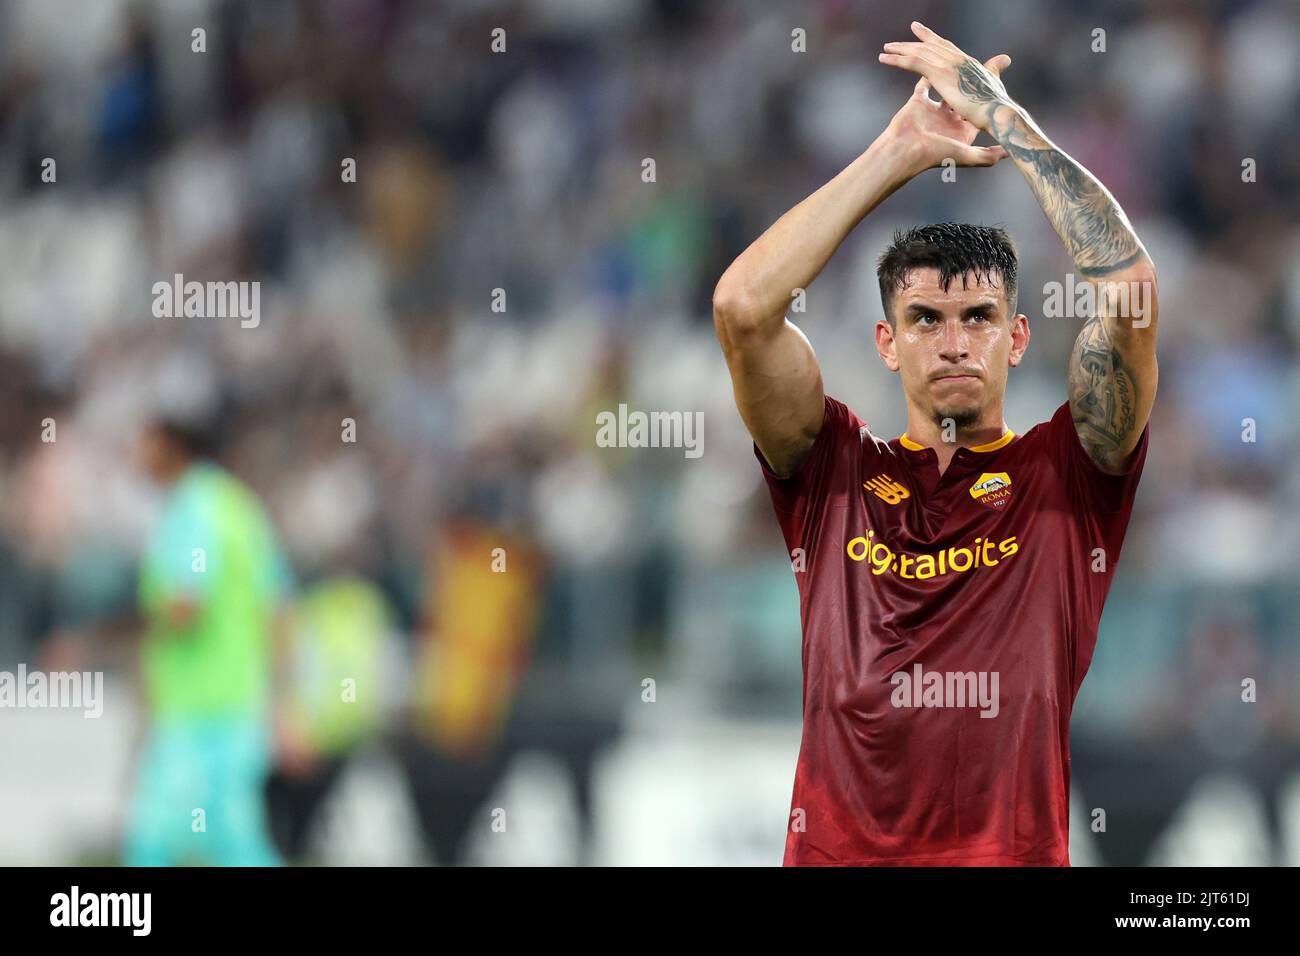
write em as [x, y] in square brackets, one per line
[886, 489]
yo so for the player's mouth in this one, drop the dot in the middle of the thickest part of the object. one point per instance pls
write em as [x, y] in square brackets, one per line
[956, 377]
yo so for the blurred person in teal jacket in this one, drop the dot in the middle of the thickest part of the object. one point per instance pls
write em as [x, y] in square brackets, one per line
[211, 583]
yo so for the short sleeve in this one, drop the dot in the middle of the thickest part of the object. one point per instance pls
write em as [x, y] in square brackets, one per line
[800, 495]
[187, 551]
[1094, 490]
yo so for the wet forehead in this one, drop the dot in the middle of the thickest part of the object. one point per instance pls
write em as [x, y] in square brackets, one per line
[922, 286]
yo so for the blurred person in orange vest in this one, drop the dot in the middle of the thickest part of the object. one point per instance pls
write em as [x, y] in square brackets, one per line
[482, 616]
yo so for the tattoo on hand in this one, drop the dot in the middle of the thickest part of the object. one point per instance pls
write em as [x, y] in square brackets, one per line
[973, 83]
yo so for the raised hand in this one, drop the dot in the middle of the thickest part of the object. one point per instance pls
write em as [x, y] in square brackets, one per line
[931, 132]
[970, 89]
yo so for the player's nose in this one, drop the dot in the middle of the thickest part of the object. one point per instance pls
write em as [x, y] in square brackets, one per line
[954, 344]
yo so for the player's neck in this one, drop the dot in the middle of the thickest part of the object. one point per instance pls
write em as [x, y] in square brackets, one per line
[946, 439]
[174, 470]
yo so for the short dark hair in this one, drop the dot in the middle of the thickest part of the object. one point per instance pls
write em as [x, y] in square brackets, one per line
[955, 249]
[191, 437]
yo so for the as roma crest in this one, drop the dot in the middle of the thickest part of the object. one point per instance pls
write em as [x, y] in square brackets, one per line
[992, 489]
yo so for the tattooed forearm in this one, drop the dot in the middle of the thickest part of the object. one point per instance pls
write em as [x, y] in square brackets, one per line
[1103, 396]
[1112, 373]
[1094, 229]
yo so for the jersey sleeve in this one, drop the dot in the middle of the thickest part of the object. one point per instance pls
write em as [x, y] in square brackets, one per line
[800, 499]
[186, 553]
[1093, 490]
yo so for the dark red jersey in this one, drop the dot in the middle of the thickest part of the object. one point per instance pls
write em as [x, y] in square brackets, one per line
[948, 621]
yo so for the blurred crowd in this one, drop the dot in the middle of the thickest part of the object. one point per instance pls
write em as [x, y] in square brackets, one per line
[502, 268]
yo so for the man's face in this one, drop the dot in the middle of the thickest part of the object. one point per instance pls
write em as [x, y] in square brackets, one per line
[156, 455]
[952, 349]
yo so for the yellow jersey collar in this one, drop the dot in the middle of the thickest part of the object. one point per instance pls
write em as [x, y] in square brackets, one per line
[987, 446]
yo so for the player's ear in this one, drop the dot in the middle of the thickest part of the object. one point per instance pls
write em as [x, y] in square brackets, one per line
[885, 345]
[1019, 338]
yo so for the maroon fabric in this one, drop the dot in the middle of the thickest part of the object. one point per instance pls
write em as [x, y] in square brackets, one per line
[1006, 587]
